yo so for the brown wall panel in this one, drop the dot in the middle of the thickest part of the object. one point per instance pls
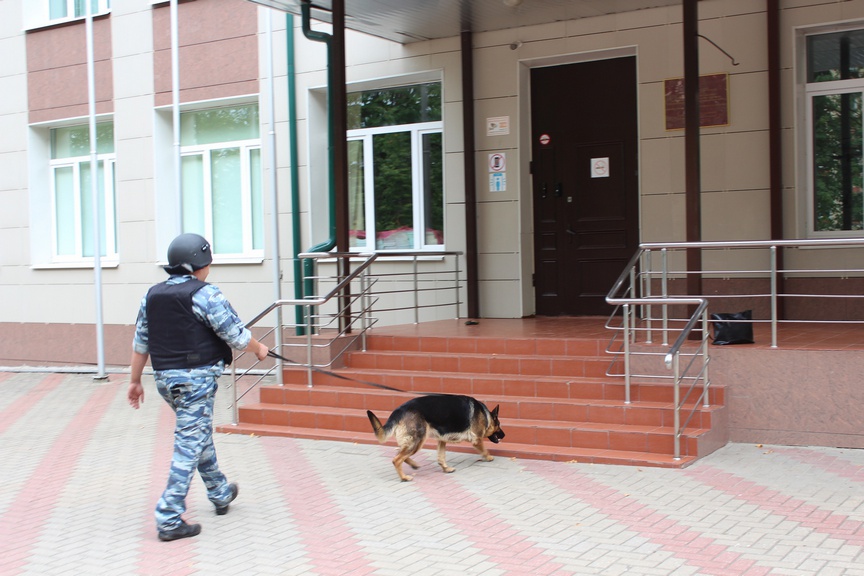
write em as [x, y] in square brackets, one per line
[218, 50]
[57, 70]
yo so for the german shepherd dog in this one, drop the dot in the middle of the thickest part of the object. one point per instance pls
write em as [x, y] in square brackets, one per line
[445, 417]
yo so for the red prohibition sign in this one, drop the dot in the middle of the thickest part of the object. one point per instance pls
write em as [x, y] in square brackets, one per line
[545, 139]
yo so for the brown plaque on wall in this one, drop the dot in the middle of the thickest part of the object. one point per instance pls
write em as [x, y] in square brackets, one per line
[713, 101]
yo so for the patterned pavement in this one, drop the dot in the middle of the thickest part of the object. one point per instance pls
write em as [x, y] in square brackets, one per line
[82, 471]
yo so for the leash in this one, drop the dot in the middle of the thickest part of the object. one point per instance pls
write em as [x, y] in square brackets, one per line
[273, 354]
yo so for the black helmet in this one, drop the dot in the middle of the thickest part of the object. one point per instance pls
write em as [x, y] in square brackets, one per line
[187, 253]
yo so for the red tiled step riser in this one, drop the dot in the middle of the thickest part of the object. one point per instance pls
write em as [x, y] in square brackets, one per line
[517, 346]
[524, 408]
[657, 441]
[497, 386]
[577, 367]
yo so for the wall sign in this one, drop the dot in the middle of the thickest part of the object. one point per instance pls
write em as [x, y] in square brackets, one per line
[497, 181]
[713, 101]
[497, 162]
[498, 126]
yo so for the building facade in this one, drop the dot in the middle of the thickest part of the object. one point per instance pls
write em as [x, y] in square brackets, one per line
[577, 139]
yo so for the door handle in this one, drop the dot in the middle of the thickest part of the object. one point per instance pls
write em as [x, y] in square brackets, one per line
[559, 190]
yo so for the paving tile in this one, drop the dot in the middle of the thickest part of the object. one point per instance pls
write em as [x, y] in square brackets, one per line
[83, 471]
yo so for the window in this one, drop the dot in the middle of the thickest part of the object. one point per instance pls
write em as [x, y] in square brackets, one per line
[835, 95]
[38, 13]
[73, 213]
[221, 178]
[58, 9]
[395, 168]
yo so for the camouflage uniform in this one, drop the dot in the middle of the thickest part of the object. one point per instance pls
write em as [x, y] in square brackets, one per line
[190, 393]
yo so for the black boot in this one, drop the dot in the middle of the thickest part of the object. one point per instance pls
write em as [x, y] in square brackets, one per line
[183, 530]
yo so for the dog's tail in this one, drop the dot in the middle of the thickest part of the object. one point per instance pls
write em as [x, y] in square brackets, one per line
[380, 432]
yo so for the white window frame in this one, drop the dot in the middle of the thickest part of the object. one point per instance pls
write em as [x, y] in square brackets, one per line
[37, 14]
[417, 131]
[806, 92]
[246, 148]
[811, 91]
[108, 241]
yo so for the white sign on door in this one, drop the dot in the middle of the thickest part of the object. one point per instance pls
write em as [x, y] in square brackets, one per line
[599, 167]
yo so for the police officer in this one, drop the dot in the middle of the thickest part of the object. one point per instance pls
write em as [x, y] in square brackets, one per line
[187, 328]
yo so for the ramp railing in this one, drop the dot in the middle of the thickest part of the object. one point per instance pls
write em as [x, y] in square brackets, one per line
[339, 320]
[781, 281]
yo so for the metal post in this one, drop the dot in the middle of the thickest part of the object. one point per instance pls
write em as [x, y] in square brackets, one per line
[458, 307]
[626, 353]
[94, 194]
[647, 263]
[308, 313]
[365, 305]
[633, 294]
[677, 399]
[706, 360]
[416, 295]
[235, 411]
[774, 296]
[274, 195]
[175, 115]
[664, 254]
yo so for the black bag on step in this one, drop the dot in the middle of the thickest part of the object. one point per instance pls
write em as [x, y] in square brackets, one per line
[740, 332]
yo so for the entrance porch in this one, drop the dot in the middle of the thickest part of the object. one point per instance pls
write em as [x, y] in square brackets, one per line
[561, 401]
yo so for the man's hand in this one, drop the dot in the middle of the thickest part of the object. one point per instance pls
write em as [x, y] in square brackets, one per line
[136, 390]
[135, 395]
[257, 348]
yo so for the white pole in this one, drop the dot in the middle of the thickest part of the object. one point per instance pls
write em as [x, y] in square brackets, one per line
[274, 196]
[175, 110]
[94, 195]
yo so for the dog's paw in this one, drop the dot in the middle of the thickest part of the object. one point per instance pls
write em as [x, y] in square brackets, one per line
[448, 469]
[407, 478]
[488, 458]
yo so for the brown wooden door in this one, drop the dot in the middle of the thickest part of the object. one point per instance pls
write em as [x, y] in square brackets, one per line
[585, 182]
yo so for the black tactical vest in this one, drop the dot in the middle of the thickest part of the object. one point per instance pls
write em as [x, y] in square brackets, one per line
[177, 337]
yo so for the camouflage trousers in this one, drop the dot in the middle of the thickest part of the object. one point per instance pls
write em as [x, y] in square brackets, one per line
[191, 394]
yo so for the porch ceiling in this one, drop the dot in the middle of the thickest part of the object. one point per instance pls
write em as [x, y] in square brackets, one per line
[407, 21]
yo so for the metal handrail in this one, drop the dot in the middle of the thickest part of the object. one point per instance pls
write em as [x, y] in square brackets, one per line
[360, 319]
[307, 303]
[320, 300]
[640, 273]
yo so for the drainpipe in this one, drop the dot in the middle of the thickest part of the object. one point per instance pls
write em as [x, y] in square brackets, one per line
[338, 146]
[775, 140]
[295, 173]
[330, 243]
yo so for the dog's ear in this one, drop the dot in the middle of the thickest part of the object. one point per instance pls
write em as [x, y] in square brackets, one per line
[495, 412]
